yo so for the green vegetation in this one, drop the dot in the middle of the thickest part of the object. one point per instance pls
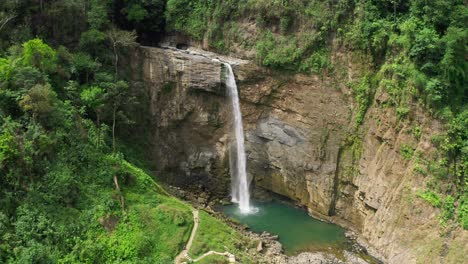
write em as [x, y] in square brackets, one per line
[406, 151]
[463, 211]
[287, 53]
[431, 197]
[419, 169]
[153, 227]
[217, 236]
[363, 93]
[214, 259]
[416, 131]
[59, 196]
[67, 194]
[448, 209]
[168, 87]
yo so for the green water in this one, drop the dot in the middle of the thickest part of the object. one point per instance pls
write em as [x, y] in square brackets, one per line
[297, 231]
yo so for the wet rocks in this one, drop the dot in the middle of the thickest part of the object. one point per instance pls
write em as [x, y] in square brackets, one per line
[268, 236]
[353, 259]
[314, 258]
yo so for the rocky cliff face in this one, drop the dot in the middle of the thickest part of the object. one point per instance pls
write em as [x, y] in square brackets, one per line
[300, 143]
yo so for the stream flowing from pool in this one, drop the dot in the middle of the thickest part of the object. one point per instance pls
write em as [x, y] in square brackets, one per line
[297, 231]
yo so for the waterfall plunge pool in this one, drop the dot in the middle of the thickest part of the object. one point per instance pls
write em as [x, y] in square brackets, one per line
[297, 231]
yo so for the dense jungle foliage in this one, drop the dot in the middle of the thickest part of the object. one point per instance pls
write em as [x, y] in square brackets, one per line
[63, 101]
[68, 194]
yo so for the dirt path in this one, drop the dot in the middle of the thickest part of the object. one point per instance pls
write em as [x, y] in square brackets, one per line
[184, 253]
[232, 258]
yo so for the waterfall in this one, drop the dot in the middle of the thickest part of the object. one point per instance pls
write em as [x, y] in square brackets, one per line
[239, 181]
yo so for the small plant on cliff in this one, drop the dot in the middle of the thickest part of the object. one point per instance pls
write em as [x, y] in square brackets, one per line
[363, 94]
[419, 169]
[406, 151]
[402, 111]
[168, 87]
[463, 211]
[318, 62]
[430, 197]
[416, 131]
[280, 52]
[448, 209]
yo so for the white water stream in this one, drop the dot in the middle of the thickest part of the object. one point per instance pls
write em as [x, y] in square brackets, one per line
[239, 180]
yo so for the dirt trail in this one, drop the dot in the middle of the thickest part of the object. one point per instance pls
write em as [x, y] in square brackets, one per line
[184, 253]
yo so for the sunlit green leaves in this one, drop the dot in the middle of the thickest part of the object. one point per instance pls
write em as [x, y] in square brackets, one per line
[38, 54]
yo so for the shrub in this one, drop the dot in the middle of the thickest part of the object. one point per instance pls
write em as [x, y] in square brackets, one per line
[463, 211]
[402, 111]
[416, 131]
[448, 209]
[318, 61]
[406, 151]
[431, 197]
[278, 52]
[168, 87]
[187, 16]
[419, 169]
[363, 94]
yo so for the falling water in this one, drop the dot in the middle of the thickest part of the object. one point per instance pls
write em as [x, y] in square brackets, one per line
[240, 183]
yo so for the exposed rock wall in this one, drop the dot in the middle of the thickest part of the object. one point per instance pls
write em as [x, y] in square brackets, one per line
[187, 124]
[294, 125]
[298, 131]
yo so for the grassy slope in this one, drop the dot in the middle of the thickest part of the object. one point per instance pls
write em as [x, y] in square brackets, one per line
[154, 230]
[154, 227]
[215, 235]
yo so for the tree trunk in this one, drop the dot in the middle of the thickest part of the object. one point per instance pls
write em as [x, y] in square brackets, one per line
[121, 198]
[116, 182]
[113, 128]
[116, 58]
[98, 122]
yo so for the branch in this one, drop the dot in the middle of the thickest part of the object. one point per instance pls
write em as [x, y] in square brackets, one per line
[4, 21]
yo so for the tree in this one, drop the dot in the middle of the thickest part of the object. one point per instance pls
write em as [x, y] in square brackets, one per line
[454, 64]
[84, 64]
[39, 101]
[120, 39]
[94, 98]
[38, 54]
[97, 15]
[93, 41]
[146, 17]
[8, 149]
[5, 69]
[118, 95]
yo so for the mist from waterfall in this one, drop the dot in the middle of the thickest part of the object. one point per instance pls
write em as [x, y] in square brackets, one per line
[237, 160]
